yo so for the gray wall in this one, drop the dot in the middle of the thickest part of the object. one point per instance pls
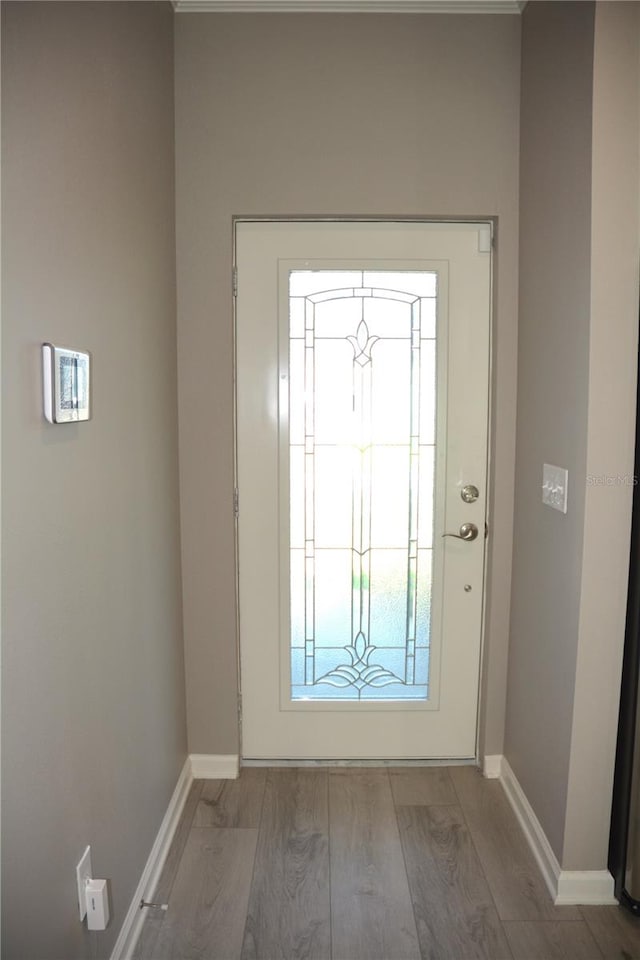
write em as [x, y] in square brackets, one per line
[287, 115]
[93, 731]
[613, 339]
[577, 342]
[553, 372]
[334, 114]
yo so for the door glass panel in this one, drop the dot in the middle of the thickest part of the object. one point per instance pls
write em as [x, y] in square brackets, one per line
[362, 374]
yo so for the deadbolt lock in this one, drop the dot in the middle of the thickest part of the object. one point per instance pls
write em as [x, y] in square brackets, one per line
[469, 493]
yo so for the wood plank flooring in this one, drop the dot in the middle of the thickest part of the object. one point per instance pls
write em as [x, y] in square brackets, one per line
[371, 914]
[364, 864]
[289, 913]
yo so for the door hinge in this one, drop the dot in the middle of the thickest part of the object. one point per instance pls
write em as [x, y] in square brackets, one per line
[236, 503]
[234, 281]
[239, 707]
[485, 239]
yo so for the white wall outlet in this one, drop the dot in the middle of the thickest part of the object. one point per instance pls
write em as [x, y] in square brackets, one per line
[83, 875]
[555, 481]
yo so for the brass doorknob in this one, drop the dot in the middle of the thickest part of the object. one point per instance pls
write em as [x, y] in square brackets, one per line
[468, 531]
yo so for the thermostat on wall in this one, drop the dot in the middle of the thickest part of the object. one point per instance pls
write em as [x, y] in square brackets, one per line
[66, 384]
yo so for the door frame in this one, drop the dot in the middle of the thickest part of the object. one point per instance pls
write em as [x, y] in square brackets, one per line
[239, 219]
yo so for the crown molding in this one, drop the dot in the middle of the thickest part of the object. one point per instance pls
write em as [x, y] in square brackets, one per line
[349, 6]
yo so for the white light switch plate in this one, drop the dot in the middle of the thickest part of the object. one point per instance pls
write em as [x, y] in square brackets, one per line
[83, 874]
[555, 481]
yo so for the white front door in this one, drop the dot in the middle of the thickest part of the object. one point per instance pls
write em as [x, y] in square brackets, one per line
[362, 409]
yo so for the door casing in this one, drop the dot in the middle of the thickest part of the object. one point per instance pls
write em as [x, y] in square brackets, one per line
[426, 220]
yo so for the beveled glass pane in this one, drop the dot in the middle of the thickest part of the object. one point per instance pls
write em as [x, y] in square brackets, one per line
[422, 665]
[304, 282]
[388, 598]
[297, 598]
[338, 318]
[296, 317]
[390, 496]
[327, 660]
[361, 482]
[392, 659]
[391, 399]
[333, 598]
[423, 633]
[426, 487]
[387, 318]
[428, 319]
[395, 691]
[419, 283]
[297, 496]
[296, 391]
[297, 666]
[428, 392]
[333, 496]
[333, 391]
[330, 684]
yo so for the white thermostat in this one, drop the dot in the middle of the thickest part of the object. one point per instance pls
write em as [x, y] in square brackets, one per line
[66, 384]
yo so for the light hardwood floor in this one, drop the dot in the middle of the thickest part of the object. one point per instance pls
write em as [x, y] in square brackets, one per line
[364, 864]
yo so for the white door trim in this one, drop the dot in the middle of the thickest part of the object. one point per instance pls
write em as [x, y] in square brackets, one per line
[373, 218]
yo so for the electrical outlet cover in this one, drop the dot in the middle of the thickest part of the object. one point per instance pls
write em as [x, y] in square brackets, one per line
[83, 874]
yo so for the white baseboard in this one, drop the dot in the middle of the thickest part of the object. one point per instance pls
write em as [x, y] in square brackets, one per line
[215, 766]
[586, 887]
[492, 766]
[130, 930]
[535, 835]
[565, 886]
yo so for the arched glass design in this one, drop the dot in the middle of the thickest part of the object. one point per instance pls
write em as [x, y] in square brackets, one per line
[362, 435]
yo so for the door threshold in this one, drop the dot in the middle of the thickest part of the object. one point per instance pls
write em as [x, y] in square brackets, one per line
[454, 762]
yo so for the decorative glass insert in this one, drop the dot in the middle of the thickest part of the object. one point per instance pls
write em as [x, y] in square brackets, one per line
[362, 401]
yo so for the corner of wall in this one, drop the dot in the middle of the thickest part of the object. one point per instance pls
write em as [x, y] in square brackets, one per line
[615, 245]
